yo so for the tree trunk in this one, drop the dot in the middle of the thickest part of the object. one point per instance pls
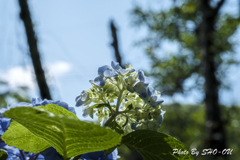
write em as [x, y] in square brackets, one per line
[35, 56]
[214, 125]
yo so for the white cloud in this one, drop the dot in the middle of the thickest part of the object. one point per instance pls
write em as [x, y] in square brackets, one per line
[59, 68]
[19, 76]
[24, 76]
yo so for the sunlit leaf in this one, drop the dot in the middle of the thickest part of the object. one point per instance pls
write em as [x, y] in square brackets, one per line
[69, 136]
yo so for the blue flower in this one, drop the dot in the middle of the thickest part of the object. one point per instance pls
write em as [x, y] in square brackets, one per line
[160, 118]
[13, 152]
[104, 72]
[87, 111]
[120, 70]
[140, 86]
[99, 155]
[4, 124]
[39, 102]
[152, 98]
[83, 98]
[51, 154]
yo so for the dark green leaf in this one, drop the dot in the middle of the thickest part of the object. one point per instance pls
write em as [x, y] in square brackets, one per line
[99, 105]
[3, 155]
[155, 146]
[129, 107]
[110, 150]
[114, 125]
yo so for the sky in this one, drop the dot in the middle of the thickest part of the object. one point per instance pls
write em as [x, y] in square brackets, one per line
[74, 40]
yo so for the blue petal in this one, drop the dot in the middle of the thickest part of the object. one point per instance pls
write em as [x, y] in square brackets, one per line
[99, 81]
[4, 124]
[45, 102]
[123, 71]
[130, 70]
[155, 101]
[84, 95]
[99, 155]
[20, 105]
[81, 99]
[62, 104]
[151, 91]
[72, 109]
[14, 153]
[143, 78]
[2, 144]
[147, 80]
[35, 156]
[159, 100]
[88, 112]
[115, 65]
[51, 154]
[76, 99]
[109, 73]
[93, 155]
[40, 157]
[36, 101]
[140, 88]
[79, 103]
[160, 119]
[102, 69]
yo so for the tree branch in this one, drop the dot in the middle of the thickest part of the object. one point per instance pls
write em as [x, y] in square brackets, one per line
[115, 44]
[219, 5]
[33, 48]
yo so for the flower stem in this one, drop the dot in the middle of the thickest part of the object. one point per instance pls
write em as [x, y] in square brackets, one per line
[119, 100]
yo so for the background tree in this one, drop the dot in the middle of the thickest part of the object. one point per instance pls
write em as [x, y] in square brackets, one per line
[9, 96]
[205, 51]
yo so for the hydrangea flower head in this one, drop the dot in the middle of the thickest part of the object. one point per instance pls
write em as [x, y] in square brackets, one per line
[125, 94]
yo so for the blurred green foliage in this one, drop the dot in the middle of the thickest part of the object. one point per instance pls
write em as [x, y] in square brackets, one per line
[179, 26]
[187, 124]
[9, 96]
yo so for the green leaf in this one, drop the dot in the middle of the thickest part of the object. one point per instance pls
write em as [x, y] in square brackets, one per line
[114, 125]
[58, 110]
[110, 150]
[155, 146]
[69, 136]
[129, 107]
[27, 141]
[20, 137]
[3, 155]
[99, 105]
